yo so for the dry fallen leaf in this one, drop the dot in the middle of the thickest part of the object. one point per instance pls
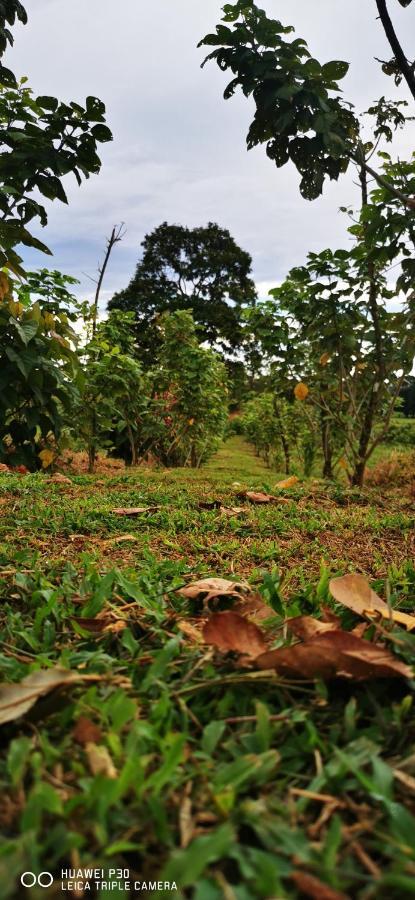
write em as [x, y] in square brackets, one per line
[99, 760]
[191, 631]
[315, 889]
[253, 607]
[121, 539]
[17, 699]
[58, 478]
[100, 624]
[333, 654]
[133, 510]
[230, 631]
[213, 587]
[86, 732]
[287, 483]
[354, 591]
[4, 469]
[305, 627]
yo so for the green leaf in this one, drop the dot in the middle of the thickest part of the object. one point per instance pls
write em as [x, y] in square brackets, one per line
[26, 330]
[335, 70]
[186, 866]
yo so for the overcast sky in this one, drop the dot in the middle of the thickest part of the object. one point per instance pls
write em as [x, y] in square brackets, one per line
[179, 150]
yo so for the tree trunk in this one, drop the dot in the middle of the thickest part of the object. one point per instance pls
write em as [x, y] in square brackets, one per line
[133, 448]
[283, 438]
[358, 476]
[194, 462]
[92, 455]
[326, 444]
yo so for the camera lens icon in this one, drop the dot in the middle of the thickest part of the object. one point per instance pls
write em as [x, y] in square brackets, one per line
[29, 879]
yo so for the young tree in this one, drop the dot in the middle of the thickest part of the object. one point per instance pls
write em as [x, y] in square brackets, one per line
[42, 140]
[190, 399]
[38, 366]
[199, 269]
[113, 393]
[300, 114]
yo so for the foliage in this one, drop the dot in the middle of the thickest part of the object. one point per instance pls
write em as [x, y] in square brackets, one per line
[190, 395]
[38, 365]
[42, 140]
[299, 112]
[276, 427]
[199, 269]
[113, 394]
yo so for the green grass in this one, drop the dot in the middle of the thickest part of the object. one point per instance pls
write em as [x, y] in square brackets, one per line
[218, 766]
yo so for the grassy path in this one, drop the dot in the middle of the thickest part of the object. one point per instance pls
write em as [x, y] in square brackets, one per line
[174, 761]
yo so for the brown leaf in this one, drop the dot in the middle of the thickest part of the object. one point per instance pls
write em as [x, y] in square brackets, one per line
[99, 760]
[86, 731]
[306, 627]
[232, 510]
[100, 625]
[213, 587]
[133, 510]
[335, 654]
[253, 607]
[58, 478]
[315, 889]
[121, 539]
[327, 615]
[17, 699]
[210, 504]
[4, 469]
[354, 591]
[230, 631]
[191, 631]
[287, 483]
[258, 497]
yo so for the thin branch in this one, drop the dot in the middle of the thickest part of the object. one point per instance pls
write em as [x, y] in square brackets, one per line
[401, 59]
[116, 236]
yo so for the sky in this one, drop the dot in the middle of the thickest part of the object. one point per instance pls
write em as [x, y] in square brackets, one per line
[179, 151]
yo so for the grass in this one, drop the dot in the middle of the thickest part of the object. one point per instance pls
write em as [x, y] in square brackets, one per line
[230, 782]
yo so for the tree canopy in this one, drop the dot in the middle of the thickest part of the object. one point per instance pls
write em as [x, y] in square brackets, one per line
[200, 269]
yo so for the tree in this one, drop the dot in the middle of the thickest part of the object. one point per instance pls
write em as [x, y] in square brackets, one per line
[42, 140]
[38, 367]
[300, 114]
[190, 399]
[113, 392]
[199, 269]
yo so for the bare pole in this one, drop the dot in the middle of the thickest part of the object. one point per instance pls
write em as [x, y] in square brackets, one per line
[117, 234]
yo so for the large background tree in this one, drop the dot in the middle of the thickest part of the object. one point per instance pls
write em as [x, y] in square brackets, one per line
[199, 269]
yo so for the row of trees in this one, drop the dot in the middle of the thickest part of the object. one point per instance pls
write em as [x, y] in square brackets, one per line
[330, 328]
[90, 388]
[60, 370]
[327, 349]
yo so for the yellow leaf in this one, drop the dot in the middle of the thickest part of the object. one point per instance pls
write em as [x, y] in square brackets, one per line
[343, 463]
[15, 308]
[47, 457]
[4, 285]
[324, 359]
[301, 391]
[49, 320]
[191, 422]
[287, 483]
